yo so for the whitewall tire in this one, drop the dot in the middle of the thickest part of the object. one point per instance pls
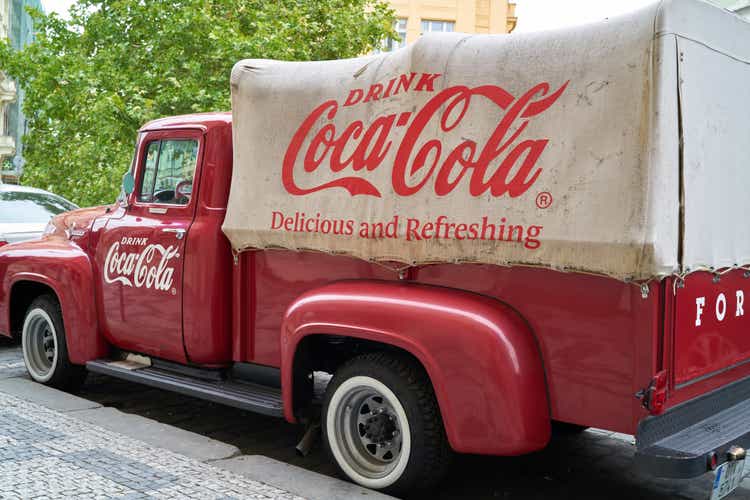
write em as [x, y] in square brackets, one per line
[39, 345]
[374, 459]
[44, 346]
[382, 425]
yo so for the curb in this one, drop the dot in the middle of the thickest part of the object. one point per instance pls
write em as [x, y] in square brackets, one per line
[295, 479]
[25, 389]
[157, 434]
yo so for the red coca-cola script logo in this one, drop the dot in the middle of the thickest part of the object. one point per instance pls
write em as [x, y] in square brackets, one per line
[506, 163]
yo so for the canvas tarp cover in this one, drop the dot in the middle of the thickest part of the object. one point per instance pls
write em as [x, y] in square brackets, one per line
[558, 149]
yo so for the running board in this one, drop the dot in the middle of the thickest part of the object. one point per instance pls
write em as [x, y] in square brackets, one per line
[244, 395]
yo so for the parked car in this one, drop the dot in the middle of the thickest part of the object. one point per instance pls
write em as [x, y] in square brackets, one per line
[25, 212]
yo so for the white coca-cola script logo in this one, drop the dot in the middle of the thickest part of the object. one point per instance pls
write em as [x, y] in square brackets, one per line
[148, 268]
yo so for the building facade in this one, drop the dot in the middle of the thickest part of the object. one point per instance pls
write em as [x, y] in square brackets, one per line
[741, 7]
[16, 25]
[414, 17]
[7, 90]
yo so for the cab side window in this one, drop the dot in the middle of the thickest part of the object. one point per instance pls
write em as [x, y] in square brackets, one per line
[168, 172]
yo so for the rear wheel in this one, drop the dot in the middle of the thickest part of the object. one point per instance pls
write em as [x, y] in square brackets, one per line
[45, 351]
[382, 424]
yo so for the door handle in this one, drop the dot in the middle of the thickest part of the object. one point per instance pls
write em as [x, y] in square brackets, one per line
[178, 231]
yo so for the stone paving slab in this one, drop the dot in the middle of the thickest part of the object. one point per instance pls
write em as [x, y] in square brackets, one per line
[48, 454]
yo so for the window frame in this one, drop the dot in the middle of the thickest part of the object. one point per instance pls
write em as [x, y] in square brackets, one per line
[156, 170]
[149, 137]
[445, 22]
[395, 45]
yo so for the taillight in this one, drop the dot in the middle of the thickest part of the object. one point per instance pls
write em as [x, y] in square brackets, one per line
[654, 397]
[659, 397]
[713, 460]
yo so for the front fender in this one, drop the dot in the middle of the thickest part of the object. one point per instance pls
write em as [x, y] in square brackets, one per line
[480, 354]
[65, 268]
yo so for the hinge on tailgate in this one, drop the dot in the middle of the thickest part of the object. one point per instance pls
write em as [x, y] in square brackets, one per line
[654, 397]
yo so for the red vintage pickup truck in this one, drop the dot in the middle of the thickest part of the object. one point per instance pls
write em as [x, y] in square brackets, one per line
[471, 254]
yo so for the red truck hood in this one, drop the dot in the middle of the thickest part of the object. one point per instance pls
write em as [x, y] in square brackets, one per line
[76, 220]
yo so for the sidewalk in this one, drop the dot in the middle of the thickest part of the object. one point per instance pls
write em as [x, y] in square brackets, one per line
[47, 454]
[57, 445]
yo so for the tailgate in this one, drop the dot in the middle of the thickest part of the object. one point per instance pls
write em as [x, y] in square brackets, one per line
[711, 326]
[707, 358]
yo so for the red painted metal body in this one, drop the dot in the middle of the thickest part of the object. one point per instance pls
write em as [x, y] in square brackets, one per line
[64, 268]
[507, 349]
[709, 344]
[482, 358]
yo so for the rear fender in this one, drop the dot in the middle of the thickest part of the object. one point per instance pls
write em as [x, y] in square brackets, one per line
[62, 266]
[480, 354]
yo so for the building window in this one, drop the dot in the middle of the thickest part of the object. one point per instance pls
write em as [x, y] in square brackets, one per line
[389, 45]
[429, 26]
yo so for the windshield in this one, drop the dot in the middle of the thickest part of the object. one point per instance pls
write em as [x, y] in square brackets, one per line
[22, 207]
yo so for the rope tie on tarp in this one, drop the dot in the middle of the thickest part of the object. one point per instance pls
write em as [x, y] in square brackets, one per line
[400, 268]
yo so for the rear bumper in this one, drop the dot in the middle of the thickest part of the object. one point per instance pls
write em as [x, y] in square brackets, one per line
[680, 442]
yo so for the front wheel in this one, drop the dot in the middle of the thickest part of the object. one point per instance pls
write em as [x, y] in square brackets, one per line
[382, 424]
[45, 351]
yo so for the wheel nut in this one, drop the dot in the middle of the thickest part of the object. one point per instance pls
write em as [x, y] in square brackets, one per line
[395, 433]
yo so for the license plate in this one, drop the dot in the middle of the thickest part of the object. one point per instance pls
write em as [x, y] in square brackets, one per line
[728, 477]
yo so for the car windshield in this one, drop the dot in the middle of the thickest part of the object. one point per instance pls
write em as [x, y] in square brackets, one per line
[24, 206]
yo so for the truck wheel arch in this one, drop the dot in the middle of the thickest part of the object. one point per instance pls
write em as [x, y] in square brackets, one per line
[77, 303]
[480, 355]
[22, 294]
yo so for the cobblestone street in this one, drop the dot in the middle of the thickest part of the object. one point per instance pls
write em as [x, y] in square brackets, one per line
[45, 452]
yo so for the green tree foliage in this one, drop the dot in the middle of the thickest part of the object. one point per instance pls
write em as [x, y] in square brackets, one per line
[92, 81]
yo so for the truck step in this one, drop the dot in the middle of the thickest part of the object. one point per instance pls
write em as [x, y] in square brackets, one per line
[244, 395]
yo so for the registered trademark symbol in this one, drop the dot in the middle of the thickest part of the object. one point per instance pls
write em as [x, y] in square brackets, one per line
[544, 199]
[174, 291]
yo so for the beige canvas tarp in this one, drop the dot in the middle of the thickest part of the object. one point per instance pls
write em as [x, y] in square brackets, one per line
[558, 149]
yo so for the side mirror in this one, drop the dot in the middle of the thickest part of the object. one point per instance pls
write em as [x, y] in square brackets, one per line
[128, 183]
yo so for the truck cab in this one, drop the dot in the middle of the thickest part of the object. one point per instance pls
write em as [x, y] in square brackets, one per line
[164, 262]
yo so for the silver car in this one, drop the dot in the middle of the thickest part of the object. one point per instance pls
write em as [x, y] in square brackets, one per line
[25, 212]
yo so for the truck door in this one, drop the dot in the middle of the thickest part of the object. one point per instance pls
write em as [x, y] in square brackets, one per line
[141, 254]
